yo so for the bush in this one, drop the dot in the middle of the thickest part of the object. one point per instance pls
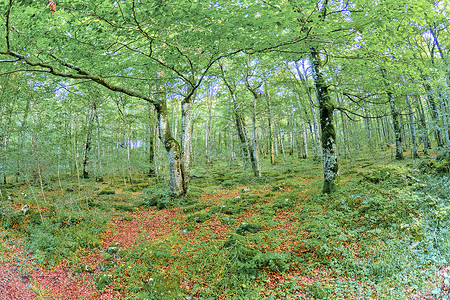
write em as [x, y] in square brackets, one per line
[59, 238]
[157, 196]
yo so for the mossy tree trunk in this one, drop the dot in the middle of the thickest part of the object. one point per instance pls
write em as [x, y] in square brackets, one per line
[186, 134]
[177, 187]
[326, 109]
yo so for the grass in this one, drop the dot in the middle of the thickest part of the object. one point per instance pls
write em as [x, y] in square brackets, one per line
[382, 235]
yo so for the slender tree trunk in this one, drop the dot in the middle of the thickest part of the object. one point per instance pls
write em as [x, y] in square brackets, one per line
[423, 125]
[412, 128]
[4, 144]
[246, 144]
[368, 124]
[208, 130]
[151, 141]
[99, 175]
[20, 160]
[326, 108]
[270, 124]
[446, 126]
[434, 115]
[315, 126]
[242, 131]
[395, 120]
[87, 144]
[186, 138]
[344, 128]
[255, 142]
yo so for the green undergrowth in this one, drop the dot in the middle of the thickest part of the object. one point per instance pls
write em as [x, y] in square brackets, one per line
[55, 228]
[387, 229]
[382, 235]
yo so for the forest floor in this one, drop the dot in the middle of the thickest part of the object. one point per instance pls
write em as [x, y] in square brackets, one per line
[382, 235]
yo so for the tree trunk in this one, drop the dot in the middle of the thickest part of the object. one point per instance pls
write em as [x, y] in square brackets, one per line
[87, 145]
[247, 149]
[395, 120]
[434, 114]
[446, 127]
[173, 151]
[326, 109]
[412, 127]
[252, 145]
[151, 141]
[270, 123]
[99, 175]
[315, 126]
[186, 138]
[344, 128]
[423, 125]
[20, 160]
[208, 129]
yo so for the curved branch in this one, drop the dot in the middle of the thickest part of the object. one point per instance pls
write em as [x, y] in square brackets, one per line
[82, 74]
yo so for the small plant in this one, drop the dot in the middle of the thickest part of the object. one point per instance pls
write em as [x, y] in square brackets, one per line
[246, 228]
[124, 207]
[157, 196]
[103, 280]
[198, 217]
[106, 192]
[319, 291]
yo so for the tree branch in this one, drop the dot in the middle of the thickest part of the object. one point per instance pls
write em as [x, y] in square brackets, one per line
[81, 75]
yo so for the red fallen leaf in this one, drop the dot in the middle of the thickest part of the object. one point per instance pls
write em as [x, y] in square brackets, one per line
[52, 6]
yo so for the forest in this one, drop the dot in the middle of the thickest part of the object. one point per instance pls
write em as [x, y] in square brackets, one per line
[228, 149]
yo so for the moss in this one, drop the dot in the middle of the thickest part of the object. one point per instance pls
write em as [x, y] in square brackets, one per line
[282, 203]
[103, 280]
[267, 210]
[231, 207]
[198, 217]
[124, 207]
[106, 192]
[443, 154]
[127, 218]
[194, 207]
[246, 228]
[228, 220]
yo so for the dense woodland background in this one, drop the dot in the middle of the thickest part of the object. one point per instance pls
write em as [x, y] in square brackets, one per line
[327, 118]
[228, 81]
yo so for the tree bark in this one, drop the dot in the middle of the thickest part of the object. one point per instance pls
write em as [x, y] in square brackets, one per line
[186, 137]
[326, 109]
[344, 128]
[412, 127]
[99, 175]
[173, 151]
[87, 144]
[423, 125]
[315, 126]
[151, 141]
[270, 124]
[247, 147]
[395, 120]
